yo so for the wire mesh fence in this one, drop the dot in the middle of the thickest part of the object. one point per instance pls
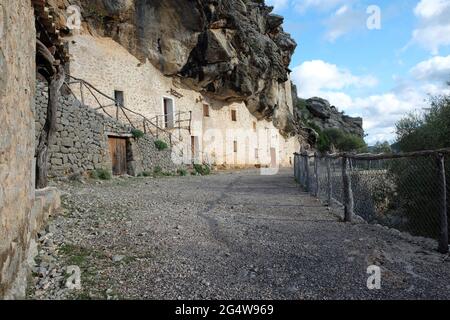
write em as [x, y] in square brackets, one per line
[407, 192]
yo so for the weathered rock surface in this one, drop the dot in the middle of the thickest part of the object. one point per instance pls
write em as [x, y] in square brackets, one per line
[325, 116]
[232, 50]
[328, 116]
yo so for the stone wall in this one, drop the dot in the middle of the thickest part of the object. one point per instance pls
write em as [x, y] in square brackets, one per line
[81, 140]
[17, 77]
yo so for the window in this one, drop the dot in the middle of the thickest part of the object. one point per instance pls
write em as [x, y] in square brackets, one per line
[254, 126]
[119, 97]
[206, 110]
[233, 115]
[235, 146]
[256, 154]
[169, 110]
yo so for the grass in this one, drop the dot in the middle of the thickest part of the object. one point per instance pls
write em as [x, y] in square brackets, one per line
[102, 174]
[182, 172]
[145, 174]
[202, 170]
[87, 259]
[157, 171]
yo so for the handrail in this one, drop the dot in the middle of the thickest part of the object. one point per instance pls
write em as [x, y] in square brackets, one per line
[144, 120]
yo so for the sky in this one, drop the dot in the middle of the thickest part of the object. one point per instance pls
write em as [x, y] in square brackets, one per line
[376, 59]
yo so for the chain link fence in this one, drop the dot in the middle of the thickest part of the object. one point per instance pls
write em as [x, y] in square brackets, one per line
[407, 192]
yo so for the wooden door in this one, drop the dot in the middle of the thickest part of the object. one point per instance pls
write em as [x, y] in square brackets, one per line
[118, 151]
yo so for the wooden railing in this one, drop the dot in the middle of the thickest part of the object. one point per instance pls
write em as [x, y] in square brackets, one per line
[136, 120]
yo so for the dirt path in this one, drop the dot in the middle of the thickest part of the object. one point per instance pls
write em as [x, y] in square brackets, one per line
[226, 236]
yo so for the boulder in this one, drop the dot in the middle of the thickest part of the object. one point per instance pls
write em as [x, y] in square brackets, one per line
[319, 107]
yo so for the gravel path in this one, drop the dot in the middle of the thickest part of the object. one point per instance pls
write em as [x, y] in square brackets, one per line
[226, 236]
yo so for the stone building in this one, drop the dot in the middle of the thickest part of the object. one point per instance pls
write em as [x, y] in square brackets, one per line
[217, 91]
[204, 130]
[87, 140]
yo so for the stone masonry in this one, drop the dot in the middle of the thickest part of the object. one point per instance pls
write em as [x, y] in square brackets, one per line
[81, 140]
[17, 76]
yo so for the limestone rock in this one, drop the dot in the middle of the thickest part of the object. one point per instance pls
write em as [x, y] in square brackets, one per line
[319, 107]
[322, 114]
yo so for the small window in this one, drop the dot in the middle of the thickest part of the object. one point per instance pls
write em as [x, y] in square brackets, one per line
[119, 97]
[206, 110]
[235, 146]
[254, 126]
[256, 154]
[233, 115]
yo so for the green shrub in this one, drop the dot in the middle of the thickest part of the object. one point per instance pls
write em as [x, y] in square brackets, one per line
[343, 141]
[102, 174]
[137, 133]
[417, 186]
[381, 147]
[145, 174]
[182, 172]
[203, 170]
[157, 171]
[161, 145]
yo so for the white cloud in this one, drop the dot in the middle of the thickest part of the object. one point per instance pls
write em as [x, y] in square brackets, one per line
[381, 111]
[428, 9]
[343, 21]
[323, 5]
[433, 31]
[316, 76]
[434, 69]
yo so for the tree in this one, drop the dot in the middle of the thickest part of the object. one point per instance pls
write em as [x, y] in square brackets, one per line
[344, 141]
[54, 74]
[416, 179]
[429, 130]
[382, 147]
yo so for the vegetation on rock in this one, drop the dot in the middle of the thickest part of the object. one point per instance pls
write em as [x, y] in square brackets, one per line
[161, 145]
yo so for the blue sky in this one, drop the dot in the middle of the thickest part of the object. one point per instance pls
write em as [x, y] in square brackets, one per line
[379, 74]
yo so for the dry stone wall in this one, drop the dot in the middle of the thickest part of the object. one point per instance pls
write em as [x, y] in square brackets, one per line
[81, 144]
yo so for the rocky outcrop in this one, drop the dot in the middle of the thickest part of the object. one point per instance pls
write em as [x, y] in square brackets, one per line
[231, 50]
[317, 113]
[328, 116]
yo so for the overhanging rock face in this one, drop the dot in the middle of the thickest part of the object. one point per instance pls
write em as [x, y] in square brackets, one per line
[232, 50]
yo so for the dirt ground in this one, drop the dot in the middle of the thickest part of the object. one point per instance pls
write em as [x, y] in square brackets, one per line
[232, 235]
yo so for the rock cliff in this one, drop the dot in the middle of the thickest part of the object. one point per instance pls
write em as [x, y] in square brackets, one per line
[319, 113]
[231, 50]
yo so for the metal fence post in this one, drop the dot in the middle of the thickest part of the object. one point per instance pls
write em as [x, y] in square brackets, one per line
[329, 184]
[443, 232]
[316, 175]
[348, 194]
[307, 173]
[295, 168]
